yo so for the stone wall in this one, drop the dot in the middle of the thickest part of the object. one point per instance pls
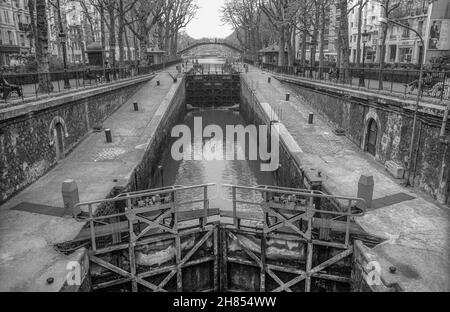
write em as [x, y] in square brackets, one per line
[28, 140]
[171, 110]
[290, 173]
[353, 111]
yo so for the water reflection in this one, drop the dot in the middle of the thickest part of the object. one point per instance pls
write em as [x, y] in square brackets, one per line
[238, 172]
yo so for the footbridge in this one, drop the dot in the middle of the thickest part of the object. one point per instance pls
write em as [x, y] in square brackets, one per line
[215, 41]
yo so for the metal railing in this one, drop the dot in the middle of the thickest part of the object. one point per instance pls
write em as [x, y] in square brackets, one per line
[151, 207]
[436, 84]
[17, 88]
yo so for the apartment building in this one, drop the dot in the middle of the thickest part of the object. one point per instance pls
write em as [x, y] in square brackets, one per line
[330, 38]
[370, 14]
[15, 30]
[432, 21]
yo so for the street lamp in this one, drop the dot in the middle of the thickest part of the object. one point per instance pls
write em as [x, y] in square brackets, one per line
[62, 40]
[384, 20]
[365, 39]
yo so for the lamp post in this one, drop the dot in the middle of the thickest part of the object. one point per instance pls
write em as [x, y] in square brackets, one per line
[365, 39]
[62, 39]
[416, 108]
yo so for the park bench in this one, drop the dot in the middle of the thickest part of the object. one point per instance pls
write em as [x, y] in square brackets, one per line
[7, 89]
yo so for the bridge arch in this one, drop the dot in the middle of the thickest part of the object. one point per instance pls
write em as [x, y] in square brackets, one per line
[210, 42]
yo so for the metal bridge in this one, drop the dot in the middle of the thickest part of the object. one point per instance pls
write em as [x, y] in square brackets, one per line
[164, 240]
[215, 41]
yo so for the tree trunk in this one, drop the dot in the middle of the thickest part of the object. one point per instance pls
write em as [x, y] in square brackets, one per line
[358, 41]
[103, 33]
[127, 43]
[166, 36]
[31, 5]
[112, 35]
[120, 32]
[281, 53]
[382, 51]
[322, 42]
[344, 44]
[290, 47]
[43, 67]
[303, 56]
[143, 44]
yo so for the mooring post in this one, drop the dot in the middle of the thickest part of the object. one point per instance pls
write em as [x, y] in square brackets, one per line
[70, 196]
[158, 83]
[269, 79]
[287, 97]
[136, 106]
[108, 135]
[311, 118]
[365, 190]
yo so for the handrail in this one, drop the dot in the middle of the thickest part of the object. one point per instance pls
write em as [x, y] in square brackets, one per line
[306, 193]
[142, 194]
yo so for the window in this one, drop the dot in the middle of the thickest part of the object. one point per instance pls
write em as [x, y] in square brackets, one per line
[420, 28]
[405, 55]
[392, 53]
[10, 37]
[6, 17]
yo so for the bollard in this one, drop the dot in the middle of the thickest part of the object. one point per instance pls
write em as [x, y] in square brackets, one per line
[108, 136]
[311, 118]
[136, 106]
[158, 83]
[288, 97]
[269, 79]
[365, 190]
[70, 198]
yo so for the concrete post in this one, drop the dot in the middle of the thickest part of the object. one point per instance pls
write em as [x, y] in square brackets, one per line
[365, 190]
[269, 79]
[311, 118]
[158, 83]
[108, 136]
[70, 198]
[288, 96]
[136, 106]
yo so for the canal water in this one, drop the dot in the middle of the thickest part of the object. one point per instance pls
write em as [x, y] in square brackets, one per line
[220, 172]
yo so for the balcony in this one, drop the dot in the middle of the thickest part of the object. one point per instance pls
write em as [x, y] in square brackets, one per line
[24, 27]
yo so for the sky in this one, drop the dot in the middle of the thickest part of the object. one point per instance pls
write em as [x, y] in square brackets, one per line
[207, 21]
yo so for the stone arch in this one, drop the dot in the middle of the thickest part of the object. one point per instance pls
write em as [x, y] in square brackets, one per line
[371, 115]
[52, 129]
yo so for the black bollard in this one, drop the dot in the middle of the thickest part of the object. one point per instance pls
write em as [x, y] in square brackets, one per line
[136, 106]
[158, 83]
[269, 79]
[311, 118]
[108, 136]
[288, 97]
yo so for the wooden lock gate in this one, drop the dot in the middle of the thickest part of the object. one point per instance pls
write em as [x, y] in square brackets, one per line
[156, 240]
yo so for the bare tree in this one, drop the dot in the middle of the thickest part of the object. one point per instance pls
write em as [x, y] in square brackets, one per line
[145, 15]
[388, 7]
[45, 84]
[281, 14]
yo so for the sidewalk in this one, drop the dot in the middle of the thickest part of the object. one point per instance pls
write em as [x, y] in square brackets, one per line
[417, 230]
[27, 256]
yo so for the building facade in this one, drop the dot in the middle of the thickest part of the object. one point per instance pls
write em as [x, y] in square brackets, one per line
[15, 31]
[370, 14]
